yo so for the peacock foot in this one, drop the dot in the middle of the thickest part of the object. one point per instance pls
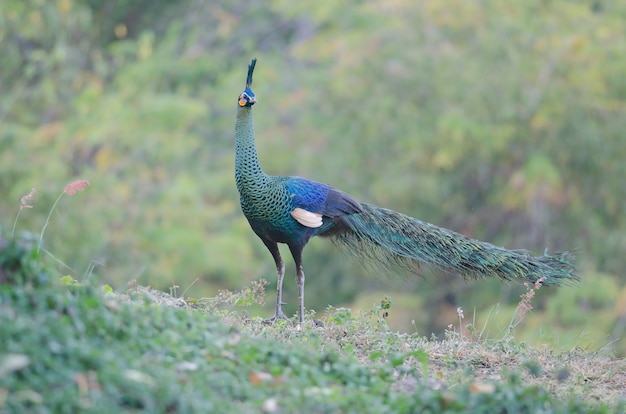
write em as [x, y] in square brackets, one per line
[271, 321]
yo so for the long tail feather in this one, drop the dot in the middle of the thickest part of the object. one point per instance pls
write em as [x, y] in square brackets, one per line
[392, 239]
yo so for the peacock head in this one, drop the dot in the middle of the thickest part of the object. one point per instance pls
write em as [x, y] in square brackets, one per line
[247, 97]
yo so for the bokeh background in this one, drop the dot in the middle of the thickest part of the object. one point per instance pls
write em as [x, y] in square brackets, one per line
[501, 120]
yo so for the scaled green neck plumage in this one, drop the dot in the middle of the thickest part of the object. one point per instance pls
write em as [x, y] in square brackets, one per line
[248, 172]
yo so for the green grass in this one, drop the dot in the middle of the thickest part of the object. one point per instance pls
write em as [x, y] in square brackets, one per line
[67, 346]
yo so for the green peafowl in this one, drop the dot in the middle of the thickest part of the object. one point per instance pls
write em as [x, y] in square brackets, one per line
[291, 210]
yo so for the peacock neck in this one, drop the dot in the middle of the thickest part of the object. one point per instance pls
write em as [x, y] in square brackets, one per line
[248, 172]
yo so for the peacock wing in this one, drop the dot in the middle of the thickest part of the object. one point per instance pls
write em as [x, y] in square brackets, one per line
[312, 200]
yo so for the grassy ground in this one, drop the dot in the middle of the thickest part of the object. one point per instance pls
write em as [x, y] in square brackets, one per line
[67, 346]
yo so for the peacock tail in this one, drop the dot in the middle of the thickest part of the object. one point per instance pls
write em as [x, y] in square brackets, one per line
[388, 240]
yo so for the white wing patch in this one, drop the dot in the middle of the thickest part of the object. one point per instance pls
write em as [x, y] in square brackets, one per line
[306, 218]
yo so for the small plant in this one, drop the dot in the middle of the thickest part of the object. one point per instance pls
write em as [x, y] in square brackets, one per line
[381, 311]
[68, 280]
[524, 305]
[255, 294]
[459, 313]
[24, 203]
[451, 331]
[70, 190]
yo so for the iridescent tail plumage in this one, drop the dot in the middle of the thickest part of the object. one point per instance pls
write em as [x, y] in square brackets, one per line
[386, 239]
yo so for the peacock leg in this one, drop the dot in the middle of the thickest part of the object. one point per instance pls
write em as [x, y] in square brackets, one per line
[280, 272]
[300, 283]
[296, 252]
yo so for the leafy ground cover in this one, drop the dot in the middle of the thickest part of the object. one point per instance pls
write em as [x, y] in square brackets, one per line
[72, 346]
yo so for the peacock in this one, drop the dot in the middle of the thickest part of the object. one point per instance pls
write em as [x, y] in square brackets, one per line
[291, 210]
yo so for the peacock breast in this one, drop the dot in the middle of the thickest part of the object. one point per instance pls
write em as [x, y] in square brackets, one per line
[268, 212]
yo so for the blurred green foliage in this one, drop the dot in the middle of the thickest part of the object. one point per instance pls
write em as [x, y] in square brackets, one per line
[500, 120]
